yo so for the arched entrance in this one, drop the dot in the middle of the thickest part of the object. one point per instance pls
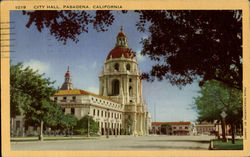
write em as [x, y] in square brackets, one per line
[102, 131]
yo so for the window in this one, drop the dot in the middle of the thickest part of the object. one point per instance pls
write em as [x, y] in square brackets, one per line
[130, 91]
[74, 98]
[115, 87]
[130, 80]
[186, 127]
[112, 115]
[64, 98]
[63, 110]
[174, 127]
[128, 67]
[55, 99]
[130, 101]
[72, 111]
[116, 67]
[105, 113]
[102, 113]
[93, 112]
[120, 116]
[97, 112]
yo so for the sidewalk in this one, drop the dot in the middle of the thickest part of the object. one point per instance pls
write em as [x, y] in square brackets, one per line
[35, 138]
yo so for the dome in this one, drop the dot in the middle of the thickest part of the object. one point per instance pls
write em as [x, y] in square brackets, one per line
[117, 52]
[67, 74]
[120, 34]
[121, 47]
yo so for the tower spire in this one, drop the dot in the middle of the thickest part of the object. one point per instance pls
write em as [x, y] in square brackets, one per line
[67, 85]
[121, 39]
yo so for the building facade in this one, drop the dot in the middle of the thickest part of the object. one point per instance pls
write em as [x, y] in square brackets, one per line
[177, 128]
[119, 104]
[205, 129]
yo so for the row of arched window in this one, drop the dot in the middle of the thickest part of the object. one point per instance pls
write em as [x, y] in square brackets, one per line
[106, 114]
[110, 104]
[111, 125]
[116, 67]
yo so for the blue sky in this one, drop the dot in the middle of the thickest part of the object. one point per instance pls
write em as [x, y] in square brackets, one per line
[42, 52]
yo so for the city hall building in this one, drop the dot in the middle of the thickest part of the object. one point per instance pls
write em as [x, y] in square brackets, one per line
[120, 98]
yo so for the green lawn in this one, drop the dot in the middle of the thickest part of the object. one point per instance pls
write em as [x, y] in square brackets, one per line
[219, 145]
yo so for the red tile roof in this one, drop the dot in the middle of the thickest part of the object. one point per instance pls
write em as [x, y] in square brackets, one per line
[117, 52]
[80, 92]
[171, 123]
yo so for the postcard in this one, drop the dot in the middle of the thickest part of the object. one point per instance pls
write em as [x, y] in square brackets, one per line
[125, 78]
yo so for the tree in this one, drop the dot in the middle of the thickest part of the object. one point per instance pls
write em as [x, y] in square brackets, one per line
[66, 24]
[82, 126]
[187, 45]
[168, 128]
[216, 97]
[68, 122]
[128, 125]
[17, 96]
[30, 94]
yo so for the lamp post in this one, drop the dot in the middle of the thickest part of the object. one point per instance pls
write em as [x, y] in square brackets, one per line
[88, 123]
[108, 124]
[223, 115]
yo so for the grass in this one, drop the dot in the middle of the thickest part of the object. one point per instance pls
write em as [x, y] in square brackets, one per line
[219, 145]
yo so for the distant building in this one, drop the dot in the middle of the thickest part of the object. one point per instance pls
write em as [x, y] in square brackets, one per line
[205, 129]
[177, 128]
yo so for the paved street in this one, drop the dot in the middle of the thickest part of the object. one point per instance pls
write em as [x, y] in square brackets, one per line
[120, 143]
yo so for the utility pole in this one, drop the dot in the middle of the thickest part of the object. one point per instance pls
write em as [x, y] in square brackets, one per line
[88, 124]
[155, 112]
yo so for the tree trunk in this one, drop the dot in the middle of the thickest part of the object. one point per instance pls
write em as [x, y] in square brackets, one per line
[12, 126]
[232, 130]
[223, 130]
[41, 131]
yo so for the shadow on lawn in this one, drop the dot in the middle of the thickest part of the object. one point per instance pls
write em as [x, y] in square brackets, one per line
[196, 141]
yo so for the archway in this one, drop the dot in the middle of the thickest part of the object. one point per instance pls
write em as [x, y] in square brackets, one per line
[115, 87]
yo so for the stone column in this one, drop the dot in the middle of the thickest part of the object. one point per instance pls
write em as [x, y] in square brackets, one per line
[141, 124]
[105, 93]
[135, 120]
[137, 90]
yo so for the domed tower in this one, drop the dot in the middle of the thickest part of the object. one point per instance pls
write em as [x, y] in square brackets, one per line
[67, 85]
[120, 81]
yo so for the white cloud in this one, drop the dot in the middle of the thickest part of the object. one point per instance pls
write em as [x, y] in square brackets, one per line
[94, 65]
[37, 65]
[93, 90]
[140, 57]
